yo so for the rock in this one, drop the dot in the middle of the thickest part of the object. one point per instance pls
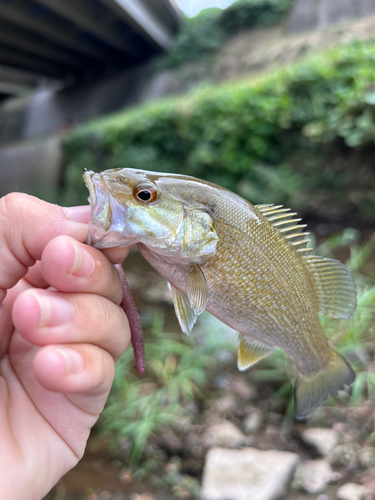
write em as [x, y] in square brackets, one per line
[312, 476]
[366, 457]
[247, 474]
[271, 432]
[252, 422]
[169, 440]
[244, 389]
[352, 491]
[224, 404]
[142, 496]
[105, 495]
[344, 455]
[224, 434]
[126, 477]
[324, 440]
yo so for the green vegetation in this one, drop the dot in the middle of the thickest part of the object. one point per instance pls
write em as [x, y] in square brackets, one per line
[204, 35]
[302, 136]
[164, 400]
[354, 338]
[181, 374]
[178, 369]
[253, 13]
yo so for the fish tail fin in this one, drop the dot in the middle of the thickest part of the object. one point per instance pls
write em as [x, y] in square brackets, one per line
[311, 391]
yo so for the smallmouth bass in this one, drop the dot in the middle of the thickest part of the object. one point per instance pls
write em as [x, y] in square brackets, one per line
[247, 265]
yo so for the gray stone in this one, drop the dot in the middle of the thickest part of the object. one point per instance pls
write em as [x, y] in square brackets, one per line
[224, 404]
[352, 491]
[225, 434]
[324, 440]
[252, 422]
[366, 457]
[344, 455]
[313, 476]
[247, 474]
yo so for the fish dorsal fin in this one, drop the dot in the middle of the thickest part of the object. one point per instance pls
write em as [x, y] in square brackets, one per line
[283, 220]
[334, 287]
[250, 351]
[183, 309]
[196, 288]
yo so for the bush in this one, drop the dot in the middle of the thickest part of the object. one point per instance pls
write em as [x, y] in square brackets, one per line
[205, 34]
[302, 136]
[198, 37]
[253, 13]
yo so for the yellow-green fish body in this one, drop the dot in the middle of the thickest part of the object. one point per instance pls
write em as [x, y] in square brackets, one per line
[247, 265]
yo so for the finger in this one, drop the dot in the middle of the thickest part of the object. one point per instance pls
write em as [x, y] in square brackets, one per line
[34, 276]
[32, 279]
[71, 266]
[46, 317]
[27, 225]
[83, 371]
[117, 254]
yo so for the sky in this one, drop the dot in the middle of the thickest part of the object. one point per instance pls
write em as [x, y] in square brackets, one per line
[192, 7]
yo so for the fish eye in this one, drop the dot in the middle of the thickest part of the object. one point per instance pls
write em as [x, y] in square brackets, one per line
[145, 194]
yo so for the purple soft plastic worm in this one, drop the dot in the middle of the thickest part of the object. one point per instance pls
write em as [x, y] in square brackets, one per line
[128, 306]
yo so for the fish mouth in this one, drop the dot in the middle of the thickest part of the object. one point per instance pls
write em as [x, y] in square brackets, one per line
[108, 215]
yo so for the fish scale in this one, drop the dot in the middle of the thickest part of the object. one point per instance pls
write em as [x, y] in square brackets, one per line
[253, 297]
[247, 265]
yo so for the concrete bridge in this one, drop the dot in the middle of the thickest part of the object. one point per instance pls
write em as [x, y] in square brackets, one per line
[64, 42]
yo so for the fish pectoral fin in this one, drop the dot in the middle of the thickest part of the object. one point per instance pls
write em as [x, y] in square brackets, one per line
[312, 391]
[334, 287]
[196, 288]
[250, 352]
[183, 309]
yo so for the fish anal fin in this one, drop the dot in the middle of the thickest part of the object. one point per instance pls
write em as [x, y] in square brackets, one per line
[312, 391]
[334, 287]
[196, 288]
[251, 351]
[183, 309]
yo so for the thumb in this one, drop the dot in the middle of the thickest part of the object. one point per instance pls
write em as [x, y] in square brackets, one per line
[27, 224]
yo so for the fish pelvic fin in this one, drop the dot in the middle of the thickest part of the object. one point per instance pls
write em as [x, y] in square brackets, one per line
[188, 306]
[250, 352]
[334, 287]
[196, 288]
[312, 391]
[184, 311]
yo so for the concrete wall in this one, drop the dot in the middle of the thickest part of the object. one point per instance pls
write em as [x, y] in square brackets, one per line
[31, 167]
[313, 14]
[47, 112]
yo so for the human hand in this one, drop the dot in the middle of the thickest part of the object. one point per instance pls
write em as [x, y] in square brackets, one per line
[61, 331]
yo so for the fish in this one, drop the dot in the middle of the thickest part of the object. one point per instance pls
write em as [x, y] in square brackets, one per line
[247, 265]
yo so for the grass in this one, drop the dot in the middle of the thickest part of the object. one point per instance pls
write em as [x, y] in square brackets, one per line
[177, 373]
[181, 369]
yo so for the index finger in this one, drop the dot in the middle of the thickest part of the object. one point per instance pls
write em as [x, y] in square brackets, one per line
[71, 266]
[27, 224]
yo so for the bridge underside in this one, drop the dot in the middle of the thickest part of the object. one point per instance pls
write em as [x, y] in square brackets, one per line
[69, 41]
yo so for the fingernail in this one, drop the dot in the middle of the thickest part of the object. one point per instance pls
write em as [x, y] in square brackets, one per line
[74, 361]
[84, 264]
[78, 214]
[54, 311]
